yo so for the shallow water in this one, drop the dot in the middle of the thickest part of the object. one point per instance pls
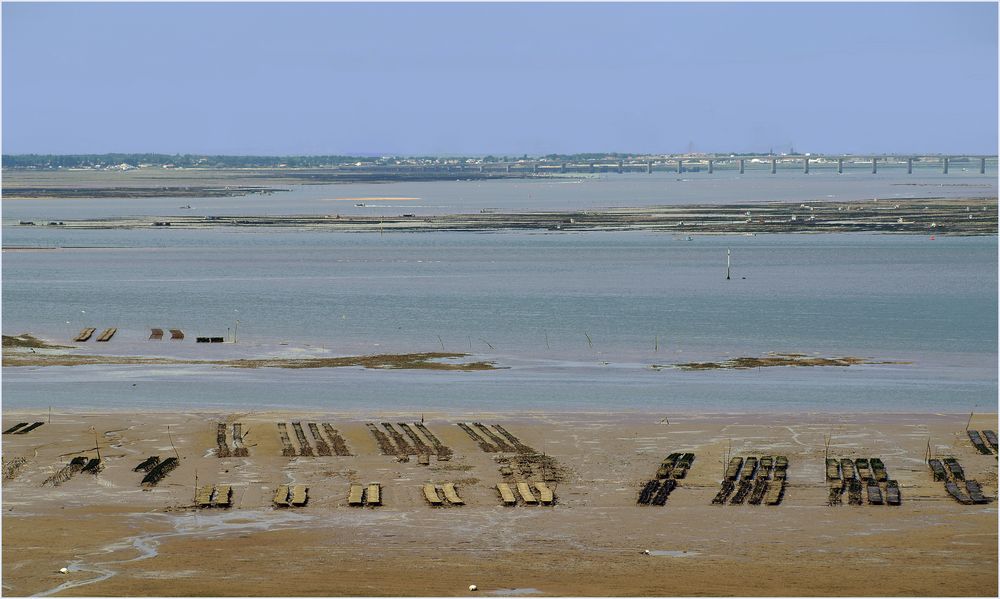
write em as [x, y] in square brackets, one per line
[575, 319]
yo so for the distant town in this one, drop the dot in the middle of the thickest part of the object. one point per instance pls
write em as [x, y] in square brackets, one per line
[549, 163]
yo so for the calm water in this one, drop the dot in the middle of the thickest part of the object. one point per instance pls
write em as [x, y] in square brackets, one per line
[527, 300]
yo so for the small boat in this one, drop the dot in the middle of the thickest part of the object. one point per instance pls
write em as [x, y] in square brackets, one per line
[874, 493]
[977, 442]
[188, 207]
[957, 493]
[648, 491]
[938, 469]
[892, 496]
[832, 469]
[991, 438]
[975, 491]
[764, 471]
[879, 468]
[724, 492]
[360, 205]
[854, 492]
[682, 465]
[759, 489]
[955, 468]
[864, 471]
[780, 467]
[733, 470]
[741, 492]
[848, 467]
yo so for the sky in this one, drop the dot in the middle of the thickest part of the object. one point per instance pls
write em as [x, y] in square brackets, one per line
[502, 79]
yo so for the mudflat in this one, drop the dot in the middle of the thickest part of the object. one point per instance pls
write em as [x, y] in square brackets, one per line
[118, 538]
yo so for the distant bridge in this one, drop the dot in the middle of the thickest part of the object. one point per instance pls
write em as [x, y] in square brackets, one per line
[704, 163]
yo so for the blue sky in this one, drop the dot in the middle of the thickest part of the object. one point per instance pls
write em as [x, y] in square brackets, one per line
[499, 78]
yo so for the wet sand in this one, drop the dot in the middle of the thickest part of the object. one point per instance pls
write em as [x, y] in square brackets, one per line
[118, 539]
[938, 216]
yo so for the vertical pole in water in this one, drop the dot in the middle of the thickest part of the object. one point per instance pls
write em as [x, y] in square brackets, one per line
[50, 414]
[909, 166]
[982, 166]
[710, 169]
[874, 165]
[649, 167]
[742, 166]
[680, 164]
[945, 168]
[727, 263]
[774, 166]
[840, 166]
[237, 328]
[805, 169]
[562, 168]
[621, 166]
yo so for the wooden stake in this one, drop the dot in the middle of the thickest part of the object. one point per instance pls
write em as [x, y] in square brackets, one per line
[177, 455]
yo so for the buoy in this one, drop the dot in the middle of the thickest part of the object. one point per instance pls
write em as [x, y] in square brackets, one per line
[473, 587]
[63, 570]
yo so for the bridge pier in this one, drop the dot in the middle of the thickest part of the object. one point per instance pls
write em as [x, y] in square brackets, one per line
[710, 169]
[805, 169]
[774, 166]
[982, 166]
[945, 167]
[742, 165]
[909, 166]
[840, 166]
[874, 165]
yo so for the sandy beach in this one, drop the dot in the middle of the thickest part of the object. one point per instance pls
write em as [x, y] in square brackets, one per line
[118, 539]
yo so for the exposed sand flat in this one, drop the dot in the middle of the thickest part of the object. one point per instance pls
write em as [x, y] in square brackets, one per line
[937, 216]
[590, 543]
[374, 199]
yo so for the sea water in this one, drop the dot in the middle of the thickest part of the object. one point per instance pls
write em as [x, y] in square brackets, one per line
[589, 321]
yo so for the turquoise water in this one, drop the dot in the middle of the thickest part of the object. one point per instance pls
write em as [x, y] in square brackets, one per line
[576, 319]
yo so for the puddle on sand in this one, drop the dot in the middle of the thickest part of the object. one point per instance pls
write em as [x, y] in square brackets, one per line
[672, 553]
[518, 592]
